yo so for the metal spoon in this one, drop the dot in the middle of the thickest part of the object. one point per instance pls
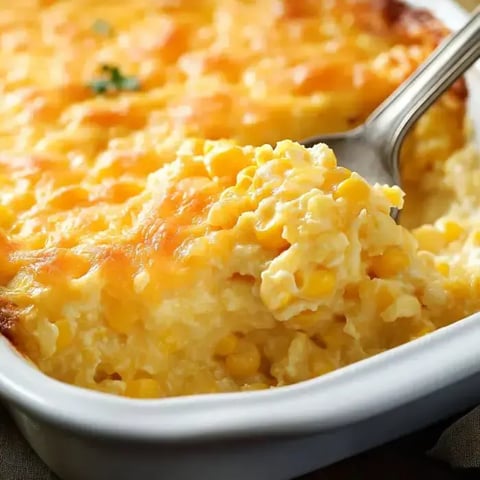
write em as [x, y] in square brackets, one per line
[372, 149]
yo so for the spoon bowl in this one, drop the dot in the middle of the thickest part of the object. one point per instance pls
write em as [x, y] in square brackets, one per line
[355, 152]
[372, 150]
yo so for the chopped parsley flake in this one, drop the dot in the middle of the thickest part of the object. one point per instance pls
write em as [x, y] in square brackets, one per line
[102, 27]
[113, 79]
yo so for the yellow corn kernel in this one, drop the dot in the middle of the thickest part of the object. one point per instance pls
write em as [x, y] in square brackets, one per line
[225, 214]
[23, 201]
[443, 268]
[271, 237]
[143, 388]
[303, 320]
[263, 154]
[392, 262]
[328, 159]
[289, 149]
[121, 191]
[227, 162]
[75, 266]
[36, 241]
[317, 283]
[226, 345]
[394, 196]
[245, 362]
[281, 301]
[333, 177]
[476, 238]
[429, 238]
[7, 216]
[119, 316]
[65, 334]
[322, 206]
[245, 179]
[354, 190]
[384, 298]
[452, 231]
[458, 288]
[69, 197]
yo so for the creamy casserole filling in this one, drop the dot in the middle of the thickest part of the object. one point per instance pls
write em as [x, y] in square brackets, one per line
[158, 235]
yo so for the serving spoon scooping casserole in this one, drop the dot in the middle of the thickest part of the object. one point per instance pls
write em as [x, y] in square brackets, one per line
[372, 150]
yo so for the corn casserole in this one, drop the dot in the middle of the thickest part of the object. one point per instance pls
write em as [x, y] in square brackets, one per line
[162, 233]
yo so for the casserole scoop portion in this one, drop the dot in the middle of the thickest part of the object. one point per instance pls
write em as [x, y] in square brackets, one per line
[230, 268]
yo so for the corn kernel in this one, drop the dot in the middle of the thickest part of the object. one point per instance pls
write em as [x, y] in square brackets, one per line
[7, 216]
[333, 177]
[328, 159]
[65, 334]
[476, 238]
[394, 195]
[226, 163]
[75, 266]
[226, 345]
[429, 239]
[243, 363]
[225, 214]
[458, 288]
[36, 241]
[452, 231]
[271, 237]
[118, 315]
[199, 381]
[384, 298]
[23, 201]
[317, 283]
[406, 306]
[245, 178]
[354, 190]
[263, 154]
[282, 300]
[303, 320]
[321, 206]
[392, 262]
[143, 388]
[121, 191]
[443, 268]
[69, 197]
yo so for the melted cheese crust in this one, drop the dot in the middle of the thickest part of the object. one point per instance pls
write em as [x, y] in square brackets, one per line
[146, 253]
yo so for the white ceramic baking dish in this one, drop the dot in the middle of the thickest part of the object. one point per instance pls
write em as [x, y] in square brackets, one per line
[278, 434]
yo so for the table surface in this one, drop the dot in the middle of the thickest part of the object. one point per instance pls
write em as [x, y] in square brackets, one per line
[399, 460]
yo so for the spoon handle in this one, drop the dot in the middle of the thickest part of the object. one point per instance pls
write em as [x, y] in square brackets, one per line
[389, 123]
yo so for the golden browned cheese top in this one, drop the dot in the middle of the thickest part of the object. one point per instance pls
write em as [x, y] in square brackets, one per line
[146, 251]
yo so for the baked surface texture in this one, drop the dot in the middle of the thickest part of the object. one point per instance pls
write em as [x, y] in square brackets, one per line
[158, 234]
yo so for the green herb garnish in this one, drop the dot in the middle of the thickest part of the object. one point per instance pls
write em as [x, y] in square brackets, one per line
[102, 27]
[113, 80]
